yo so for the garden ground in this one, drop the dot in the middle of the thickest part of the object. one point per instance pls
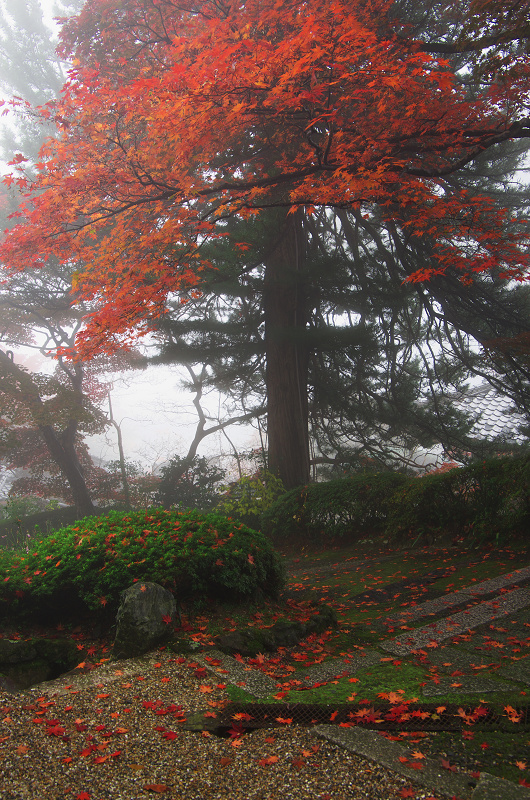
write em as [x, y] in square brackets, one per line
[440, 633]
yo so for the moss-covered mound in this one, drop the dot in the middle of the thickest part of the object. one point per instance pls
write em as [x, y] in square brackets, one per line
[87, 565]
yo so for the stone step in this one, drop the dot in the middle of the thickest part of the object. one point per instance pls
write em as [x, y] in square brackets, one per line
[446, 628]
[441, 604]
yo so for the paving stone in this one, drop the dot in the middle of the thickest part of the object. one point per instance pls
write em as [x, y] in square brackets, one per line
[463, 621]
[452, 658]
[337, 666]
[460, 597]
[376, 748]
[518, 671]
[466, 685]
[492, 788]
[256, 682]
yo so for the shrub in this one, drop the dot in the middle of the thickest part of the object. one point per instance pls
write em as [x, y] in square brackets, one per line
[189, 483]
[247, 498]
[87, 565]
[354, 504]
[487, 500]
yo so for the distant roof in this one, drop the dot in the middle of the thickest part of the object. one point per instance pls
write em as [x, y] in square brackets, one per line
[498, 415]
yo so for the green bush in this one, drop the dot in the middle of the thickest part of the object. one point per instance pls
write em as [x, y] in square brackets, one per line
[247, 498]
[354, 504]
[487, 500]
[87, 565]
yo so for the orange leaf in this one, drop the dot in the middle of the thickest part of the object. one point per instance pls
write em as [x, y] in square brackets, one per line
[156, 787]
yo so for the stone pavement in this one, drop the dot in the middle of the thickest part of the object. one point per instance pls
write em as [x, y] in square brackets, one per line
[470, 632]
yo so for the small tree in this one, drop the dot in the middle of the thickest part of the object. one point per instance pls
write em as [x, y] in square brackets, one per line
[189, 483]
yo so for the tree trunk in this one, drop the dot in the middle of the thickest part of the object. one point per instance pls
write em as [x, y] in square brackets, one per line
[61, 447]
[287, 354]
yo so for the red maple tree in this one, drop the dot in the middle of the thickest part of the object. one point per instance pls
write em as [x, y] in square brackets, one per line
[177, 116]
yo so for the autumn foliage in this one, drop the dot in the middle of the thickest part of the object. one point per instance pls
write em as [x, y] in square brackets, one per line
[87, 565]
[176, 117]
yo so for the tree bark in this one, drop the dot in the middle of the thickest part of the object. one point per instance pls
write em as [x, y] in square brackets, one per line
[60, 446]
[285, 306]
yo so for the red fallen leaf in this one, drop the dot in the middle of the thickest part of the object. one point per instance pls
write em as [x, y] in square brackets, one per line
[298, 763]
[156, 787]
[100, 759]
[169, 735]
[416, 765]
[333, 716]
[83, 796]
[55, 730]
[403, 759]
[270, 739]
[225, 761]
[448, 766]
[407, 792]
[263, 762]
[101, 696]
[524, 782]
[283, 721]
[166, 618]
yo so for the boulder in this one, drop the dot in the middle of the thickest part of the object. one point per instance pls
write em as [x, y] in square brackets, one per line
[144, 620]
[24, 663]
[284, 633]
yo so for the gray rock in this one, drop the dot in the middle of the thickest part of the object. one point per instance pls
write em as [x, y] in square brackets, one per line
[26, 663]
[13, 651]
[140, 626]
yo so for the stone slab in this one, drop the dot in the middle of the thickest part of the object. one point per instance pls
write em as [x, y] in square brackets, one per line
[471, 685]
[376, 748]
[518, 670]
[338, 666]
[444, 629]
[234, 672]
[440, 604]
[492, 788]
[450, 658]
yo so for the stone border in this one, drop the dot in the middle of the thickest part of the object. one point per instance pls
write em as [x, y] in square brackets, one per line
[373, 746]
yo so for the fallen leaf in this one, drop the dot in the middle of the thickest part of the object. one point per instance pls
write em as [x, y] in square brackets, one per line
[156, 787]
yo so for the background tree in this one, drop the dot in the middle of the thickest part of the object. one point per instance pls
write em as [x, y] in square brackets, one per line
[189, 483]
[44, 416]
[175, 120]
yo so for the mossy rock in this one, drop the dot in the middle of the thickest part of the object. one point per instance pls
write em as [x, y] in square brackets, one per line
[249, 642]
[25, 663]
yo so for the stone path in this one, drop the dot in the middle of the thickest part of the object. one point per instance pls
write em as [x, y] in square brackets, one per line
[465, 640]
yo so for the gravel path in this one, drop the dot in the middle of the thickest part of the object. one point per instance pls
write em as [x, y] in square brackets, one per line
[116, 734]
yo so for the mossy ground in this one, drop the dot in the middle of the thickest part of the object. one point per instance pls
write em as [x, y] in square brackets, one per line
[348, 578]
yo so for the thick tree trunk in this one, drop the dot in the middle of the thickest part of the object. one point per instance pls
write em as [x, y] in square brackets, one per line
[286, 317]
